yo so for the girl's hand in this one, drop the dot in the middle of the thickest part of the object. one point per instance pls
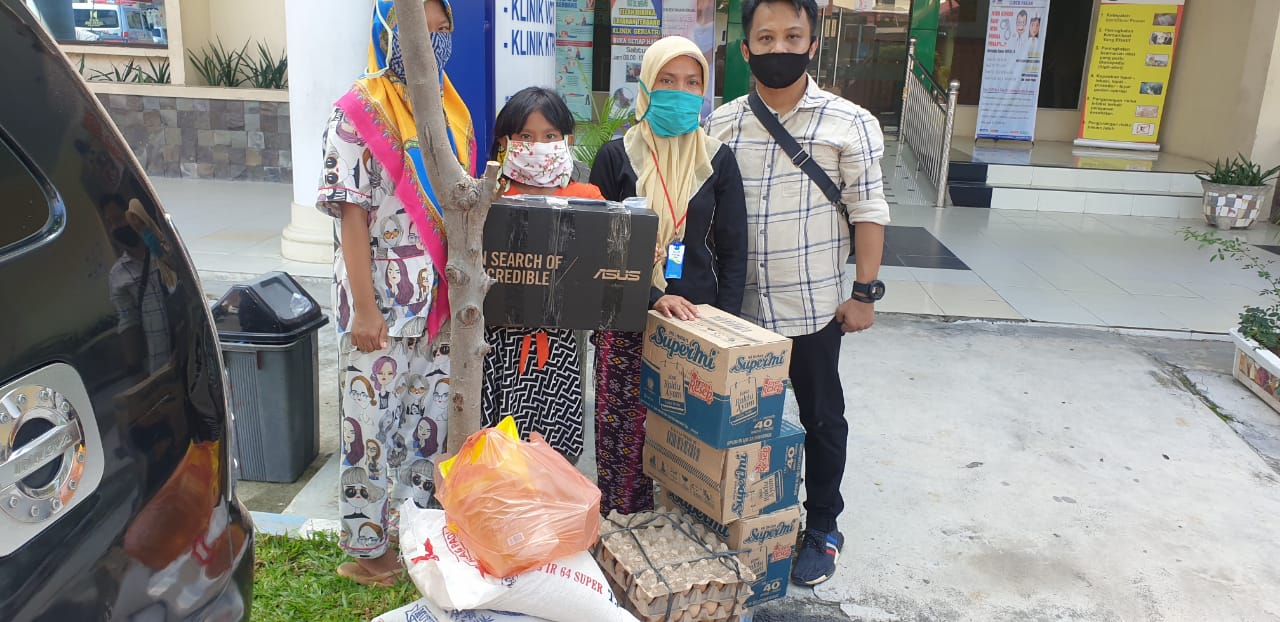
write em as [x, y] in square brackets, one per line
[657, 254]
[368, 330]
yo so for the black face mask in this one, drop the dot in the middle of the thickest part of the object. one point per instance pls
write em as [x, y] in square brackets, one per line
[780, 69]
[126, 236]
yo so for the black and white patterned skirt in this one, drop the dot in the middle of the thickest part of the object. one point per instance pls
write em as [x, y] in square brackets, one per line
[534, 375]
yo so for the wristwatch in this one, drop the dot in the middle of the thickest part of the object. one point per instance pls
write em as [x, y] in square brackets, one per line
[868, 292]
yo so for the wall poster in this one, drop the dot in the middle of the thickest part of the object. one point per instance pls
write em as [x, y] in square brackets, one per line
[637, 24]
[575, 27]
[1011, 69]
[1129, 71]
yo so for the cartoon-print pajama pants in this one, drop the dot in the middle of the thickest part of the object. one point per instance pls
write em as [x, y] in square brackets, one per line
[393, 422]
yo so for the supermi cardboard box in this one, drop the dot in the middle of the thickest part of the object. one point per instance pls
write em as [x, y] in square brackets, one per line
[568, 263]
[769, 542]
[725, 484]
[719, 377]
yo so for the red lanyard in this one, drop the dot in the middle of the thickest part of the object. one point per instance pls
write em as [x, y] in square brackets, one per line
[670, 206]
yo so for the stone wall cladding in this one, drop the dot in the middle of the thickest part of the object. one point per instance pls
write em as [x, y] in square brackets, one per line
[206, 138]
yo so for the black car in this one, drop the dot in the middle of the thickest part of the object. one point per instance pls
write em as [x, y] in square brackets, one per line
[117, 487]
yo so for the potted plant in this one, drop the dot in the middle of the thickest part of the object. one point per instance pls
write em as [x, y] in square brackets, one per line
[1257, 337]
[591, 135]
[1234, 191]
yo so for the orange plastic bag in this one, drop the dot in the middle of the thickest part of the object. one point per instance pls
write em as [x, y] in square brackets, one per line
[516, 505]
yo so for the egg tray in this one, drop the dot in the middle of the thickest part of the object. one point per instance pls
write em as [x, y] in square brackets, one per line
[710, 611]
[669, 568]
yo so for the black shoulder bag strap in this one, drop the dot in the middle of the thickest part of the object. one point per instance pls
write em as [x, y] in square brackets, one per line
[798, 155]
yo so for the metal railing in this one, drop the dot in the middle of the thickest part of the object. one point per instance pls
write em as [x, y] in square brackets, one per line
[928, 118]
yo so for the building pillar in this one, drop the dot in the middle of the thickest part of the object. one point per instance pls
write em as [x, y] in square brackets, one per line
[328, 43]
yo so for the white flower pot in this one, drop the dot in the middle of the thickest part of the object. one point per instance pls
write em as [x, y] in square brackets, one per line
[1257, 368]
[1232, 207]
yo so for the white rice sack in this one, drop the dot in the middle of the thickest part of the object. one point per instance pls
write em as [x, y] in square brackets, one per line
[572, 589]
[425, 611]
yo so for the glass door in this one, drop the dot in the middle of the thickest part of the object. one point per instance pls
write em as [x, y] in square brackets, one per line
[862, 54]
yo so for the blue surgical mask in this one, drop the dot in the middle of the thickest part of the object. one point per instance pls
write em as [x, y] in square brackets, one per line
[672, 112]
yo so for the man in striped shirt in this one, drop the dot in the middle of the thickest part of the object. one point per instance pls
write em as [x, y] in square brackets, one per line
[799, 240]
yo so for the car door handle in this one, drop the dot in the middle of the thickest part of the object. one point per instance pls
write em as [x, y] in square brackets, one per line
[38, 453]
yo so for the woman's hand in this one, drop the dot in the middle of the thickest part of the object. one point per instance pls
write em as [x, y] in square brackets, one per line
[657, 254]
[670, 305]
[368, 330]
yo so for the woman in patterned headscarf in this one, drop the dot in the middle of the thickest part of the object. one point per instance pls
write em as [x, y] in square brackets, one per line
[374, 173]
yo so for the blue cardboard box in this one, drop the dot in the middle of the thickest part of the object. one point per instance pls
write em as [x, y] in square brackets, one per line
[719, 377]
[769, 541]
[725, 484]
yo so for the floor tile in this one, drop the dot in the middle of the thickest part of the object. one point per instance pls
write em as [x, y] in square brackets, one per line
[1062, 202]
[997, 309]
[1048, 266]
[241, 233]
[1153, 287]
[943, 293]
[907, 297]
[313, 270]
[1203, 315]
[1112, 204]
[1079, 279]
[1047, 306]
[239, 263]
[1013, 274]
[896, 273]
[1130, 311]
[1004, 175]
[943, 263]
[1015, 199]
[932, 275]
[1159, 206]
[228, 247]
[266, 248]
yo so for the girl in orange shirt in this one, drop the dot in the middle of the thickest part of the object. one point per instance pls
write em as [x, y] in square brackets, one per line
[534, 374]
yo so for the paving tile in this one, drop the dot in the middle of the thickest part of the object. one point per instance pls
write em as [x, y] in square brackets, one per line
[1129, 311]
[996, 309]
[1153, 287]
[934, 275]
[943, 293]
[907, 297]
[921, 261]
[1043, 305]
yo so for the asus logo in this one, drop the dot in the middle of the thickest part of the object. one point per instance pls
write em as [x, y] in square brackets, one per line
[613, 274]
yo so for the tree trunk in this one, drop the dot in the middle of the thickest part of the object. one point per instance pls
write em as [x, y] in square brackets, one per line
[465, 202]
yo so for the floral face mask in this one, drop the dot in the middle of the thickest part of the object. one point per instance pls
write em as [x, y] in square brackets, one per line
[544, 165]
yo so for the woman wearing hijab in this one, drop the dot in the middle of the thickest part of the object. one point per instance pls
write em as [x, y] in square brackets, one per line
[373, 173]
[692, 183]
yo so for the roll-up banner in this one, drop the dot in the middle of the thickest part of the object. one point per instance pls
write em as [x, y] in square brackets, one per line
[1129, 71]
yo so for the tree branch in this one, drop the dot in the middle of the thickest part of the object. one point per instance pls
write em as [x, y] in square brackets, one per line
[446, 175]
[465, 202]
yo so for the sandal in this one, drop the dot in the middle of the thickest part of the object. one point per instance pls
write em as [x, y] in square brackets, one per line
[361, 575]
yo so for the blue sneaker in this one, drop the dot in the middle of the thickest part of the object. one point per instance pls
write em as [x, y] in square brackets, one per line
[819, 552]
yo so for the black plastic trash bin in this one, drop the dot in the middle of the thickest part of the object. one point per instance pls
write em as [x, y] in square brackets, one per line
[268, 329]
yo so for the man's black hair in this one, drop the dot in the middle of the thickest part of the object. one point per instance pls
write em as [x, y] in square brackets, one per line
[512, 117]
[1023, 13]
[809, 7]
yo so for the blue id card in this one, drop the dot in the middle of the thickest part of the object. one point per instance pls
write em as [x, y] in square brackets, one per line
[675, 261]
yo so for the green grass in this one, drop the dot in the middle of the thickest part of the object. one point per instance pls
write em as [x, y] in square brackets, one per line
[296, 579]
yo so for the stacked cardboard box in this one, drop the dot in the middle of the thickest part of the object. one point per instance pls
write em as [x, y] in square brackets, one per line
[715, 440]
